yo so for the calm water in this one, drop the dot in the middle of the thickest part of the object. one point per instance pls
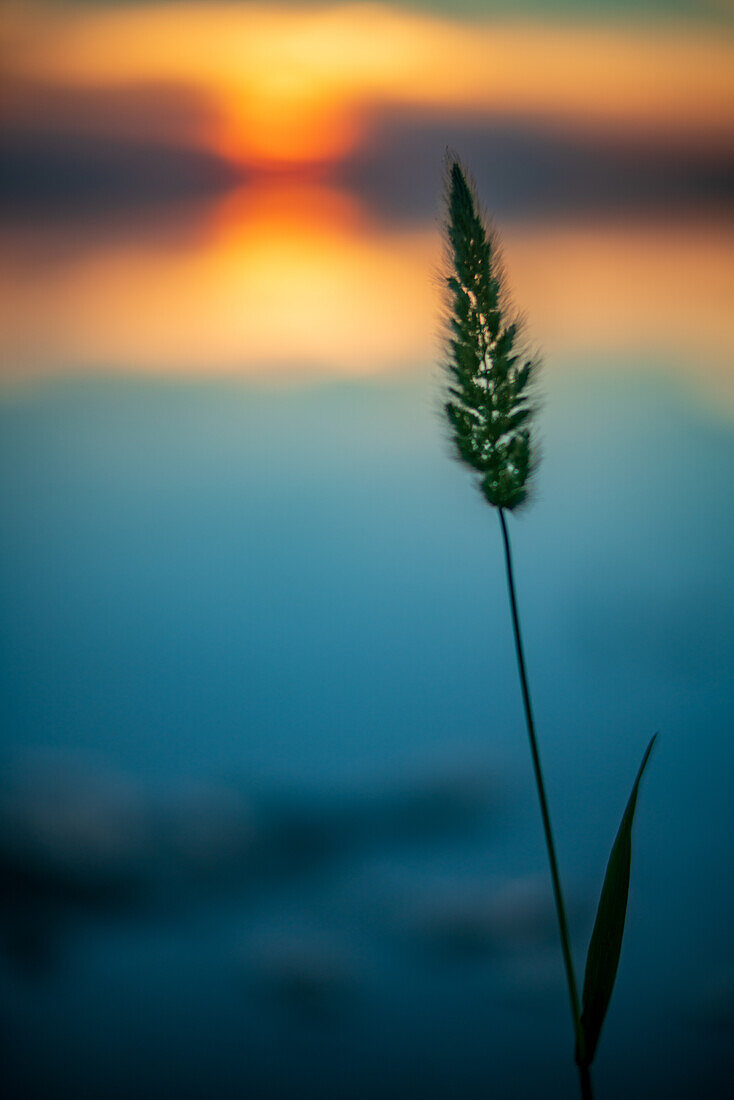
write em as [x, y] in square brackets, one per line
[266, 782]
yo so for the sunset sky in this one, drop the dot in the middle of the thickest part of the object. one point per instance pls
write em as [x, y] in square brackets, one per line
[209, 161]
[279, 86]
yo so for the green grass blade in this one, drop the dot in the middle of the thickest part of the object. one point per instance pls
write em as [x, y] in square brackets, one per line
[606, 939]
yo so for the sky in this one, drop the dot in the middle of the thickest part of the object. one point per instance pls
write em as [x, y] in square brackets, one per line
[273, 86]
[194, 165]
[698, 9]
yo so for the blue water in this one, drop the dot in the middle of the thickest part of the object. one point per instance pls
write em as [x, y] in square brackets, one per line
[266, 786]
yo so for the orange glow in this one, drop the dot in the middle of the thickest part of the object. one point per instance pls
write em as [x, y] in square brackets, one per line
[279, 276]
[283, 123]
[288, 277]
[619, 289]
[292, 85]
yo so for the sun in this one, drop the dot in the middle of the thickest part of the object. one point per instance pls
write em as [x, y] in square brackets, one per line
[284, 120]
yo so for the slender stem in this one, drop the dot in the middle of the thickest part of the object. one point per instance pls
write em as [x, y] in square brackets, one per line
[585, 1075]
[584, 1072]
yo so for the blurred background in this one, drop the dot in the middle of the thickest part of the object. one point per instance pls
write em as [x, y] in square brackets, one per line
[267, 819]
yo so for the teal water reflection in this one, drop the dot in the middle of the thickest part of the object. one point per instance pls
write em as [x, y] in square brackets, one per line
[266, 787]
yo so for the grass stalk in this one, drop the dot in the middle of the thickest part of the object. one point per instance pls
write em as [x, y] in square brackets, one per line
[584, 1071]
[490, 407]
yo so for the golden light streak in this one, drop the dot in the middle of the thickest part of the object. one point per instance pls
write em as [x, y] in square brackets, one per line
[641, 288]
[289, 278]
[278, 277]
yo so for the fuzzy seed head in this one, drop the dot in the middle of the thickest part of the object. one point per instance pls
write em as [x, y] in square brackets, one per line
[489, 404]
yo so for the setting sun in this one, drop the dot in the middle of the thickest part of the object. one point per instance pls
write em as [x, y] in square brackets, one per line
[283, 120]
[298, 85]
